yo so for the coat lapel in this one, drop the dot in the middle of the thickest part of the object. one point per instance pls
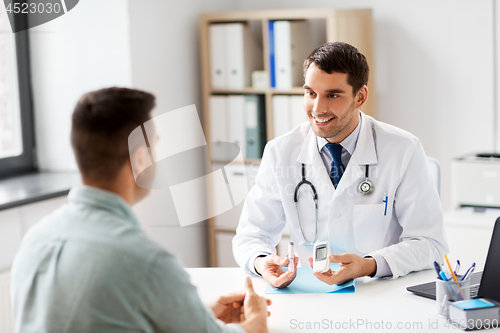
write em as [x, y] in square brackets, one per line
[316, 172]
[364, 154]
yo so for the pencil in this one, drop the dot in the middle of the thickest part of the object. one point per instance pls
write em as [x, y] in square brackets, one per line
[453, 275]
[449, 266]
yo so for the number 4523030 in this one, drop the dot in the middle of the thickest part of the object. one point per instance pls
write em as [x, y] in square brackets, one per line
[34, 8]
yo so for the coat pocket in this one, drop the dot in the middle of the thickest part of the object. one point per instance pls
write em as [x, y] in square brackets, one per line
[371, 227]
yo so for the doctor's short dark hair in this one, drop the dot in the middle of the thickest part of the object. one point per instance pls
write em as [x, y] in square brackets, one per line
[101, 123]
[341, 57]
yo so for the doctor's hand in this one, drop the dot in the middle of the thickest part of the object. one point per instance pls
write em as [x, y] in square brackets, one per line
[270, 269]
[351, 266]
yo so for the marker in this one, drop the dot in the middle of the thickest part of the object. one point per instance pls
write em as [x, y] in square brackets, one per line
[443, 276]
[437, 267]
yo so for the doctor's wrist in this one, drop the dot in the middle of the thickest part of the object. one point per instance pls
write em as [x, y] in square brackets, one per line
[256, 262]
[370, 266]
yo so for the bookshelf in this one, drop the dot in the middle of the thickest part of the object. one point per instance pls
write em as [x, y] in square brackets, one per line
[353, 26]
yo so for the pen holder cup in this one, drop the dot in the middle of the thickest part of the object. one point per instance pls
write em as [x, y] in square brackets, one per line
[450, 291]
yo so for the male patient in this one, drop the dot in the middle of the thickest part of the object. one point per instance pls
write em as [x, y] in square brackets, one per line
[88, 267]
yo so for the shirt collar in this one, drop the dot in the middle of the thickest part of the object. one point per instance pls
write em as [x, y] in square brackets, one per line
[349, 143]
[102, 199]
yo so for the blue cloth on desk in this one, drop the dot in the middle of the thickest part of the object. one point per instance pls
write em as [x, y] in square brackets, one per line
[306, 283]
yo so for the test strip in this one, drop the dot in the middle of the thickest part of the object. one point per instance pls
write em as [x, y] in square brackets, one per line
[291, 257]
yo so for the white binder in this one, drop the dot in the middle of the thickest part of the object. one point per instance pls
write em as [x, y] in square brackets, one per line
[242, 56]
[236, 121]
[288, 113]
[281, 114]
[218, 127]
[292, 44]
[216, 41]
[298, 114]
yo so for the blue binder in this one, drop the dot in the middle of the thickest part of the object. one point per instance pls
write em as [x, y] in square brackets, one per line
[271, 55]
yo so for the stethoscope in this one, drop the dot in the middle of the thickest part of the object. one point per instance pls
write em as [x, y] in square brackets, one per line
[364, 188]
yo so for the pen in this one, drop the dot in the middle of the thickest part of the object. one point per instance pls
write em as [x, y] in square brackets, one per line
[438, 269]
[457, 267]
[385, 211]
[469, 271]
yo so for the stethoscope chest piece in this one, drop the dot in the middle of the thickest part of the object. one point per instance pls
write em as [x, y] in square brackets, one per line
[365, 187]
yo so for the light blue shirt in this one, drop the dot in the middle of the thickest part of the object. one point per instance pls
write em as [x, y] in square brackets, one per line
[348, 147]
[88, 267]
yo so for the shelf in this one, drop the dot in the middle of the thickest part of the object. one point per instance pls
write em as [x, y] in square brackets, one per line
[291, 91]
[246, 161]
[251, 90]
[246, 90]
[272, 14]
[232, 231]
[226, 230]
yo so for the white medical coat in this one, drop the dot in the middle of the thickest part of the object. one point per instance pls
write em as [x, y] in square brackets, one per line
[408, 234]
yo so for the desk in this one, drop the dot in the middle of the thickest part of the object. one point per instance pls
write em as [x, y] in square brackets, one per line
[383, 304]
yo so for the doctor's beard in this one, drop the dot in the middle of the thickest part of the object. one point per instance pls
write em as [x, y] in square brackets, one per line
[338, 128]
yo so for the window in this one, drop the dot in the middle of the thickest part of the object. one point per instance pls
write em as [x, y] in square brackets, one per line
[16, 116]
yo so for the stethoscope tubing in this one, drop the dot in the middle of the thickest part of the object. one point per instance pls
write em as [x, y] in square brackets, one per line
[365, 188]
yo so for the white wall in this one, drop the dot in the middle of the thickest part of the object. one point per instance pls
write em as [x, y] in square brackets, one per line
[164, 42]
[86, 49]
[433, 71]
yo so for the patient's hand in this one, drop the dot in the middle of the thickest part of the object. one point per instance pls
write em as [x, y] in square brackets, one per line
[228, 308]
[254, 319]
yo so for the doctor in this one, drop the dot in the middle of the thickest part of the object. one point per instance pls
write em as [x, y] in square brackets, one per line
[377, 202]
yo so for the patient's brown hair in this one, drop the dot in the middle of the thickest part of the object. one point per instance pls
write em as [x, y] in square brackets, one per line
[101, 123]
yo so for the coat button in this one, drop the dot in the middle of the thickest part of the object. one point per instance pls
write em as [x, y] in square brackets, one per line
[337, 215]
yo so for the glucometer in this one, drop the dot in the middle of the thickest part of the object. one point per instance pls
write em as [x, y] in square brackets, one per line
[291, 257]
[321, 263]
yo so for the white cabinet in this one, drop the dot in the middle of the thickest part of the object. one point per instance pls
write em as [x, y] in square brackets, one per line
[224, 246]
[15, 222]
[10, 236]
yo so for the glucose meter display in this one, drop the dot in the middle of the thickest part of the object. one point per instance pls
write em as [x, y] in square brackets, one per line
[321, 253]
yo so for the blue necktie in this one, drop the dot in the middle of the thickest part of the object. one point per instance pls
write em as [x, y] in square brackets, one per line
[337, 167]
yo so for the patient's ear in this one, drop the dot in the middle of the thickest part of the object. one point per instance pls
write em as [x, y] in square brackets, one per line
[143, 168]
[140, 160]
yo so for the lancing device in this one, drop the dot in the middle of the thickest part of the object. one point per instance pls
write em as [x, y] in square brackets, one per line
[291, 257]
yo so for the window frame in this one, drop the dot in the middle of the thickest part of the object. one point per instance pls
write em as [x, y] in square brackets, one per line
[26, 162]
